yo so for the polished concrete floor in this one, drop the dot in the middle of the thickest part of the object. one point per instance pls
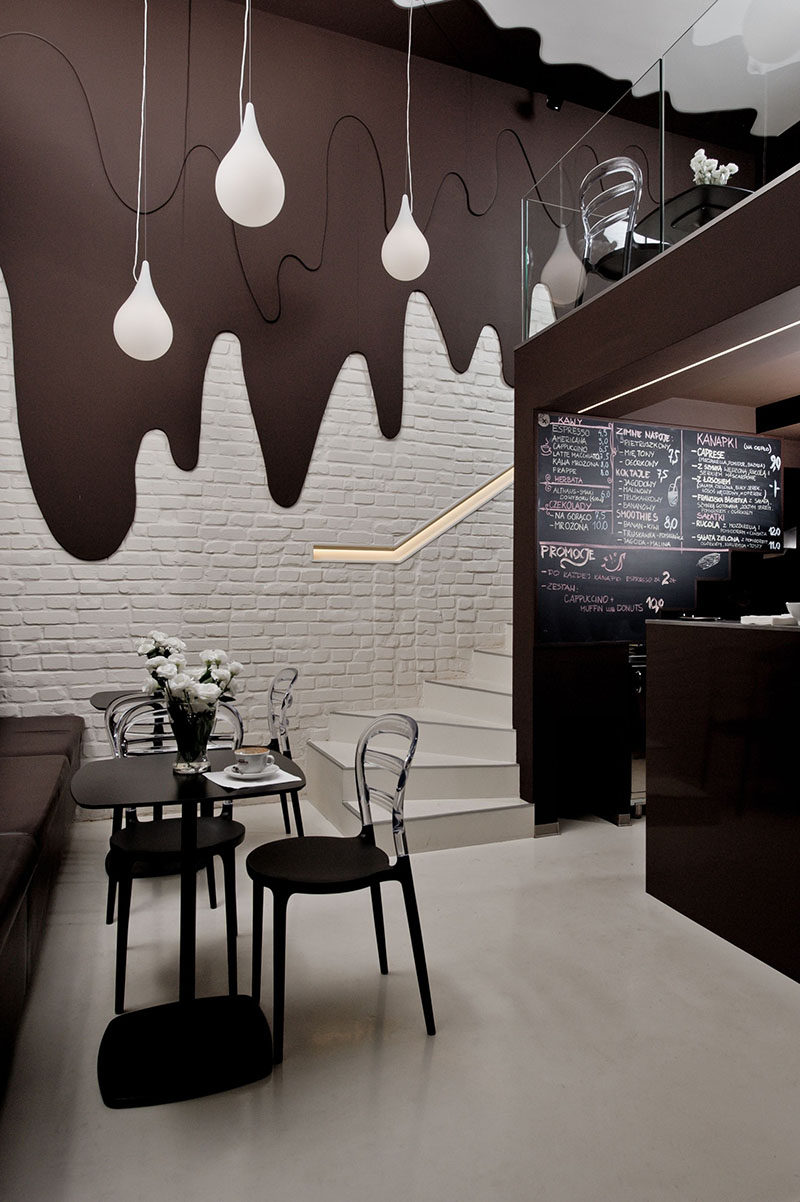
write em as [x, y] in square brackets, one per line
[593, 1046]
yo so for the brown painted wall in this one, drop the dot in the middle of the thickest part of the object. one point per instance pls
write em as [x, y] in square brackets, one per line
[300, 294]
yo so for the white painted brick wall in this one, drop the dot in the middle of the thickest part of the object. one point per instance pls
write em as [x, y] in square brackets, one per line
[211, 557]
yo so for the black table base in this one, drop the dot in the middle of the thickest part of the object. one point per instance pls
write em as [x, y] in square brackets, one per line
[183, 1050]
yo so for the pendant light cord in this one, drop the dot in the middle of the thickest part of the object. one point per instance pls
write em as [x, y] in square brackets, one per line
[245, 60]
[141, 150]
[408, 112]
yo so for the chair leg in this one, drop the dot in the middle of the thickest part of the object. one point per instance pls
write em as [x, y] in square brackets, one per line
[258, 938]
[415, 931]
[212, 884]
[116, 825]
[231, 925]
[298, 817]
[123, 919]
[280, 902]
[380, 930]
[285, 812]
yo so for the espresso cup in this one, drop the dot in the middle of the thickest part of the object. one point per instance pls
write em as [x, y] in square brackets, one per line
[251, 761]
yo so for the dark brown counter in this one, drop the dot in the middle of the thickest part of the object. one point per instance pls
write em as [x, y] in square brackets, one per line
[723, 805]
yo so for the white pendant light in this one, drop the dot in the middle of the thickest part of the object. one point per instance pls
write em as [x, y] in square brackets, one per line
[142, 327]
[248, 183]
[771, 31]
[405, 253]
[564, 273]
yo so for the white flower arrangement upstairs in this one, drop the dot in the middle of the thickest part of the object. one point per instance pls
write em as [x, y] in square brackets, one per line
[709, 171]
[198, 689]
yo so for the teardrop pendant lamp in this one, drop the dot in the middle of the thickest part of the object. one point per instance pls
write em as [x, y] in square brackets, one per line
[563, 273]
[142, 327]
[405, 253]
[248, 183]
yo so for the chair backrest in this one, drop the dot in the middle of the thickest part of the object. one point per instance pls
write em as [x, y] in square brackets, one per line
[279, 704]
[609, 196]
[392, 766]
[138, 725]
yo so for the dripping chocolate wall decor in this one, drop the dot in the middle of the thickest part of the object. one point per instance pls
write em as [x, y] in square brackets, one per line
[630, 516]
[300, 294]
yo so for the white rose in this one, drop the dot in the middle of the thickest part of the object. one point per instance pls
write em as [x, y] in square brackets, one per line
[203, 696]
[214, 656]
[151, 686]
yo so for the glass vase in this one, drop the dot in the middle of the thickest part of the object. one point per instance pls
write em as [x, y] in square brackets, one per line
[192, 731]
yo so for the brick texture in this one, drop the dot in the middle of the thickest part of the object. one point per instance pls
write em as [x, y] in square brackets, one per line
[211, 556]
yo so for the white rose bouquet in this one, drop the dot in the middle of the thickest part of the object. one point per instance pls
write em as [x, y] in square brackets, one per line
[709, 171]
[190, 694]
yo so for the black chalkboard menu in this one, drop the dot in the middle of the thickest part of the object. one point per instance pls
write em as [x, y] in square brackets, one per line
[631, 516]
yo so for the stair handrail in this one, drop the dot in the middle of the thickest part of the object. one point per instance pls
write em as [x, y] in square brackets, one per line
[422, 537]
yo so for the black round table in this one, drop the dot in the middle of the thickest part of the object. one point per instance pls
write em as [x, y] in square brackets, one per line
[195, 1046]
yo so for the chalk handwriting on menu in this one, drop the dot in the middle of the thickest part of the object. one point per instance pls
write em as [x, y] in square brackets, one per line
[629, 485]
[631, 516]
[647, 493]
[735, 485]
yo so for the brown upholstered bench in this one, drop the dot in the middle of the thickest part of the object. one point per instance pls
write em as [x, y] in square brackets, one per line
[38, 756]
[18, 857]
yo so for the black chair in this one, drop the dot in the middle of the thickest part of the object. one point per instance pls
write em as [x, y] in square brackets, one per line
[280, 700]
[151, 848]
[139, 725]
[323, 864]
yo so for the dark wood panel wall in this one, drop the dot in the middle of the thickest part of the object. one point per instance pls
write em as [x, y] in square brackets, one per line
[300, 294]
[703, 295]
[722, 816]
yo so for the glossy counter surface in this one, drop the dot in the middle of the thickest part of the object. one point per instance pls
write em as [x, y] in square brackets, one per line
[723, 808]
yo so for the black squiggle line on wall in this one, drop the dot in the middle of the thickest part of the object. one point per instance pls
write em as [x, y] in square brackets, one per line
[83, 406]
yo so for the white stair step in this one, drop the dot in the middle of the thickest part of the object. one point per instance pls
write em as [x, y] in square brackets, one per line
[438, 731]
[472, 698]
[493, 666]
[432, 774]
[434, 825]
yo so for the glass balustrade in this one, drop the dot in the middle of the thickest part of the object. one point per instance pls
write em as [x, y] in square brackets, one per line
[715, 119]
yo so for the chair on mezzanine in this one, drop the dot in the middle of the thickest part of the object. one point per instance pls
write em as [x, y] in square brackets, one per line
[609, 202]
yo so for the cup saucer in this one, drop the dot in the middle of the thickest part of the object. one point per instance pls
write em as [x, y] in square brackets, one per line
[234, 771]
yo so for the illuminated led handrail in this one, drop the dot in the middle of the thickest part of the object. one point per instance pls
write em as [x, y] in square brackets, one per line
[415, 542]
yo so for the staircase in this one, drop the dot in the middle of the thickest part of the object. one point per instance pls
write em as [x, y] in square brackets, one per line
[464, 783]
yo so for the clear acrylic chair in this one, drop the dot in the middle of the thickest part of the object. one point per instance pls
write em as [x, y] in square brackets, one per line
[280, 701]
[335, 864]
[609, 202]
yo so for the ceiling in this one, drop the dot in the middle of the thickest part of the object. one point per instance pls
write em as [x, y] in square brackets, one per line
[621, 38]
[589, 52]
